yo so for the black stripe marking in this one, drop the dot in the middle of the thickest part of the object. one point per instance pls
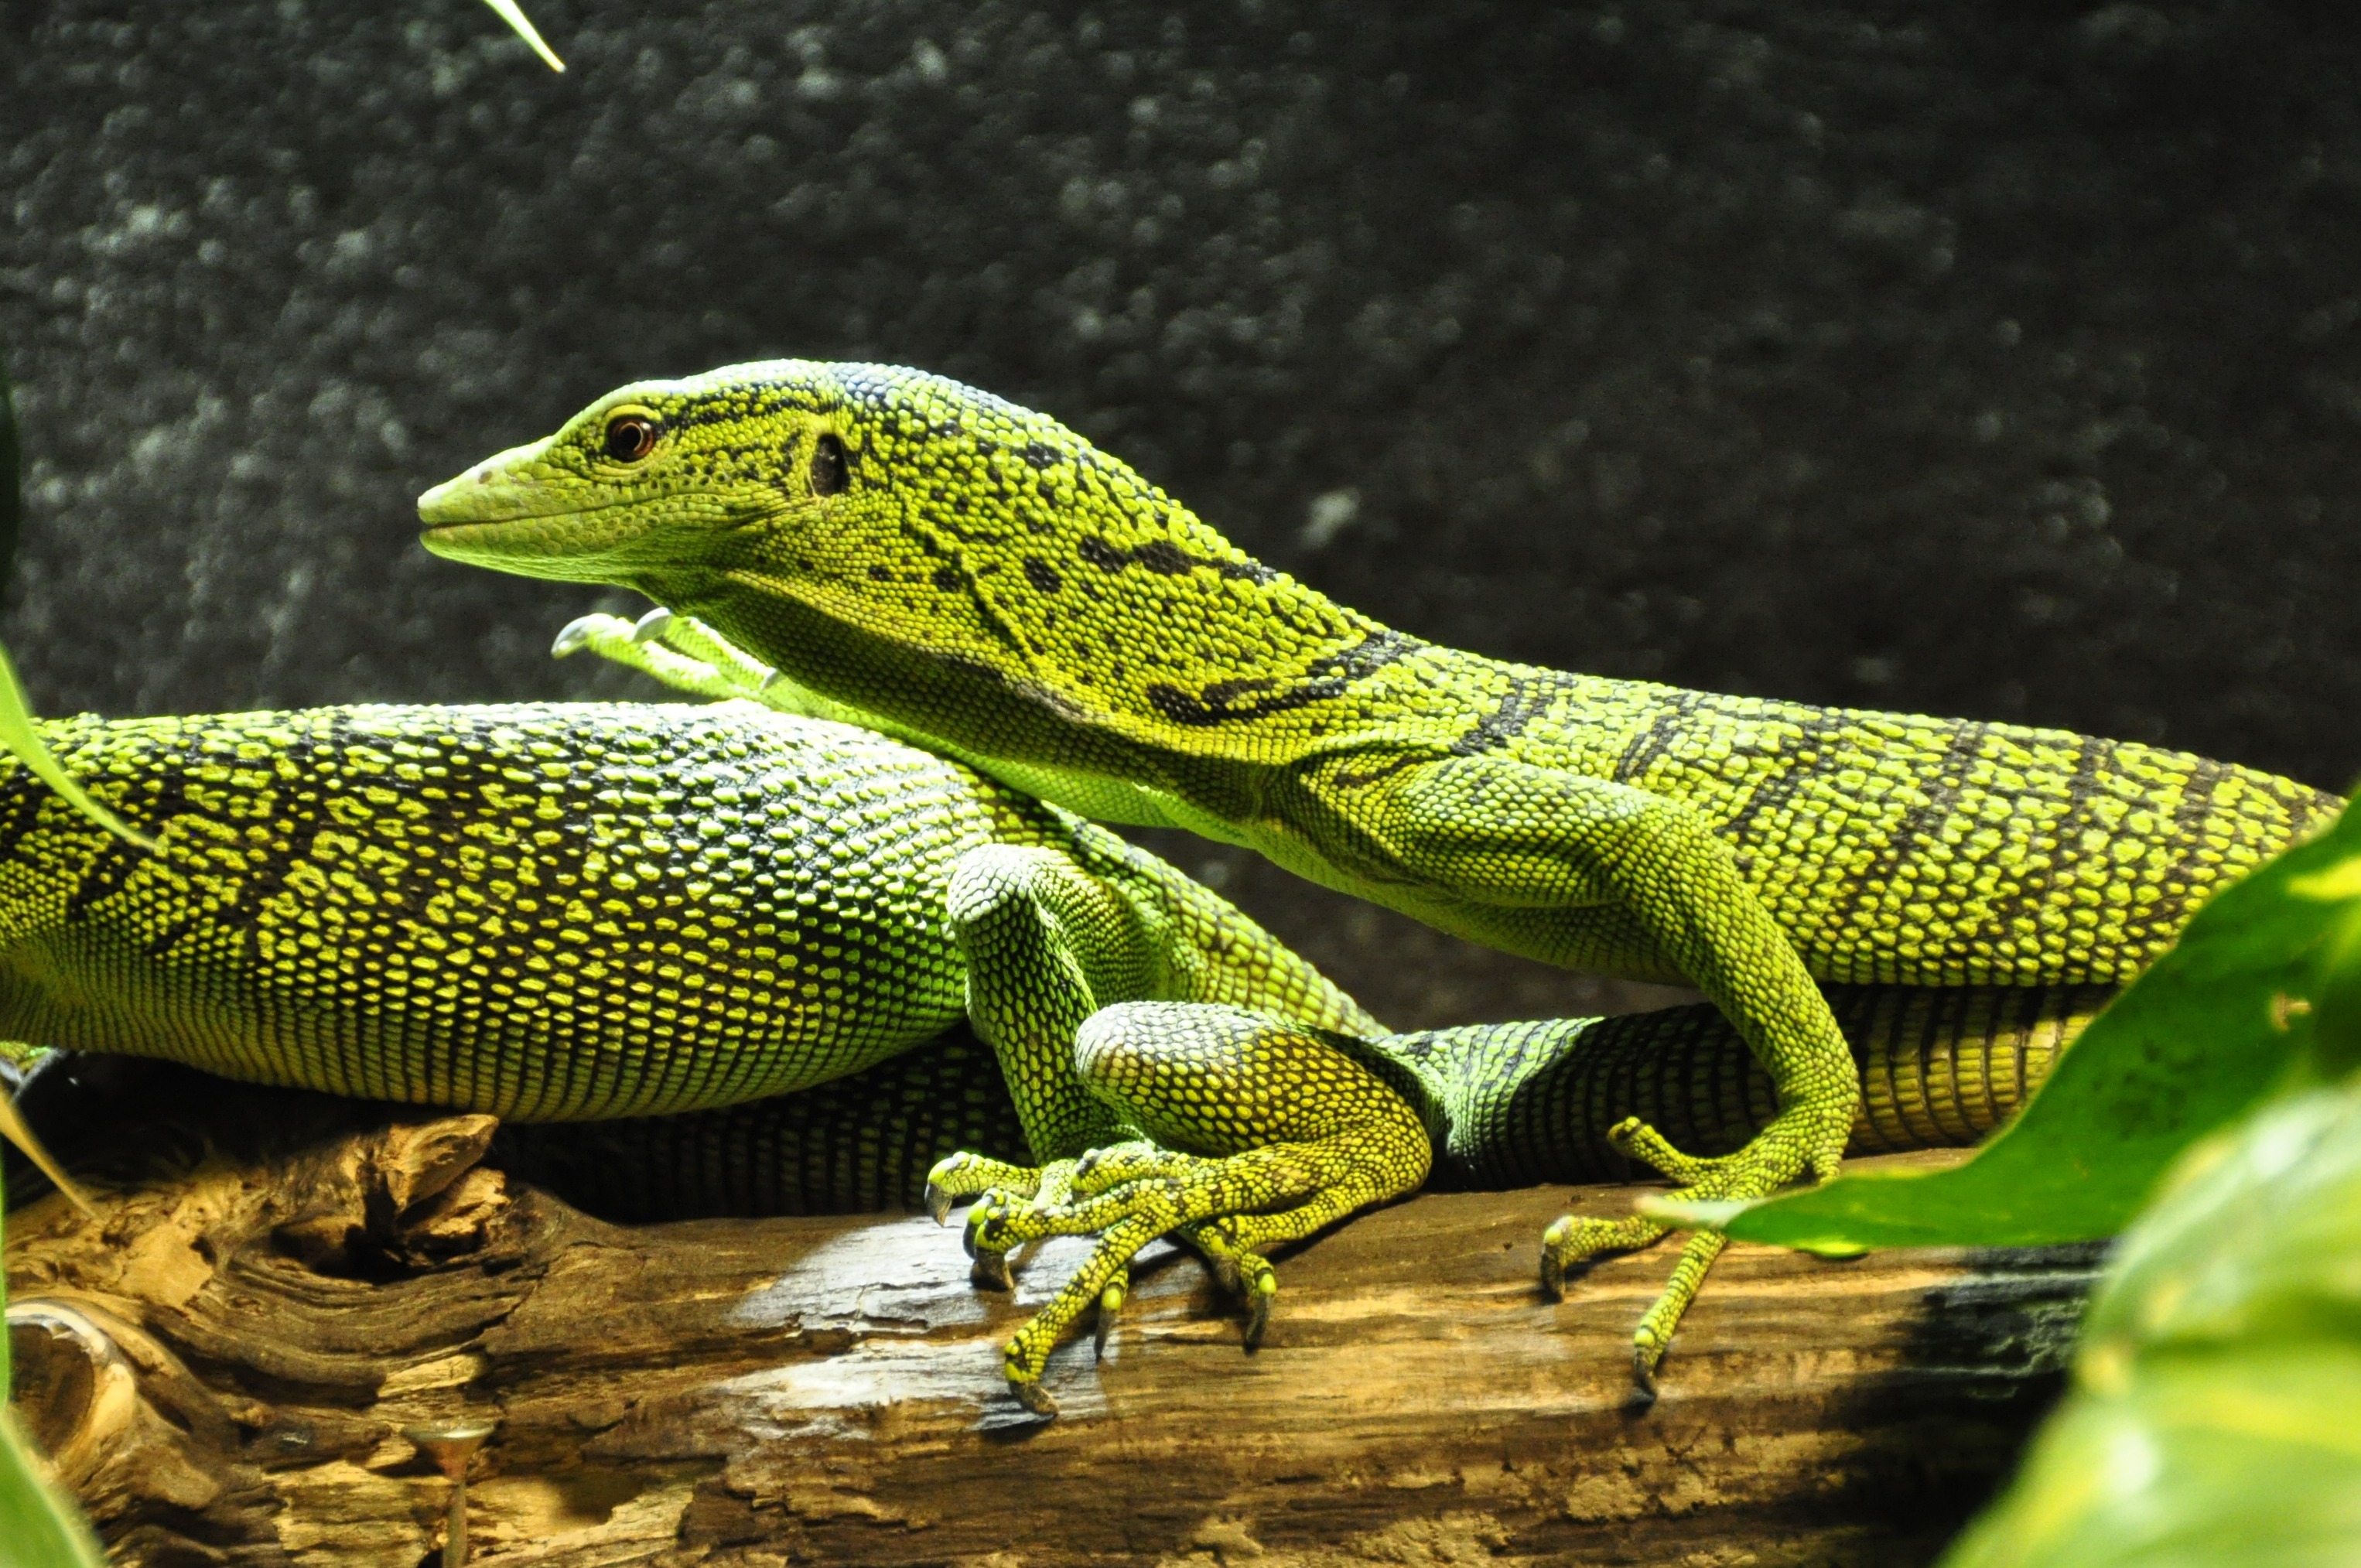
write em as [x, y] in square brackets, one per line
[1167, 559]
[1672, 721]
[1324, 678]
[1524, 702]
[1942, 789]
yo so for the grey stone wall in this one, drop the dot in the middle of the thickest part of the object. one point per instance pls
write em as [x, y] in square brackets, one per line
[1995, 359]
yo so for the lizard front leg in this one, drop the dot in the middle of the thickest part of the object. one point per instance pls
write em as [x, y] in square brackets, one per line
[684, 653]
[1235, 1129]
[1044, 942]
[1257, 1131]
[1531, 847]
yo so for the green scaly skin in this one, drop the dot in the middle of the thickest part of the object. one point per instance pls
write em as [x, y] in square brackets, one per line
[736, 935]
[570, 913]
[976, 578]
[558, 912]
[1501, 1104]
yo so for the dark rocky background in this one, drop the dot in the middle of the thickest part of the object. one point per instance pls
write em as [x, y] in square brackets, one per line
[1994, 359]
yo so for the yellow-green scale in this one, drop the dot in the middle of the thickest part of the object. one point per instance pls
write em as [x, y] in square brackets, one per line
[977, 579]
[445, 906]
[993, 585]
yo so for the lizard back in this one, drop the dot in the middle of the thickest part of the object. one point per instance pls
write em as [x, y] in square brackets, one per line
[978, 577]
[1893, 848]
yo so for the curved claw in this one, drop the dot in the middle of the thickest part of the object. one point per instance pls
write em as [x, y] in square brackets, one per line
[1260, 1292]
[1033, 1396]
[1110, 1309]
[575, 635]
[1644, 1358]
[939, 1199]
[1557, 1244]
[989, 1271]
[651, 626]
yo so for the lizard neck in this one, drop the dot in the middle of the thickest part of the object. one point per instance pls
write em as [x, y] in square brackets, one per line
[1172, 654]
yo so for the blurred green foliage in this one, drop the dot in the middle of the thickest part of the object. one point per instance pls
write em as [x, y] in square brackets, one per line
[2215, 1417]
[513, 14]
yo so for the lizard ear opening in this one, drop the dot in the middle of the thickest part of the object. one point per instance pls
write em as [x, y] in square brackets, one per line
[832, 473]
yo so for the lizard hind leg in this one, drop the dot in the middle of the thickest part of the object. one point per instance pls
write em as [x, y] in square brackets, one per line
[1575, 1239]
[1257, 1132]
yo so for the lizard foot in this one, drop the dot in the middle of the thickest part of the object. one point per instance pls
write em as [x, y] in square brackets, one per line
[647, 645]
[684, 653]
[999, 1188]
[1293, 1133]
[1224, 1207]
[1797, 1142]
[964, 1175]
[1227, 1245]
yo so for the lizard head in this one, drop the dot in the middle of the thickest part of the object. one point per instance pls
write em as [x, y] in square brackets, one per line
[654, 480]
[851, 523]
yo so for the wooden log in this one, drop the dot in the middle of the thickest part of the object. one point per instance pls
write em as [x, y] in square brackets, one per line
[224, 1366]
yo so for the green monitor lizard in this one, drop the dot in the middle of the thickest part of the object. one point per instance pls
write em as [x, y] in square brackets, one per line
[735, 938]
[976, 578]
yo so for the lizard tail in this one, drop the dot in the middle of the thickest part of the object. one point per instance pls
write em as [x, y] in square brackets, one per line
[1533, 1102]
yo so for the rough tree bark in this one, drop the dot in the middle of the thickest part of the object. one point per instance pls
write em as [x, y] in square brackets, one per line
[223, 1364]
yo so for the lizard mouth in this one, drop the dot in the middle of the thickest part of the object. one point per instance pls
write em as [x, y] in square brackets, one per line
[566, 544]
[479, 496]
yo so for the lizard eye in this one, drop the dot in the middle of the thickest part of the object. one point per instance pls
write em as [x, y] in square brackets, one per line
[830, 473]
[631, 437]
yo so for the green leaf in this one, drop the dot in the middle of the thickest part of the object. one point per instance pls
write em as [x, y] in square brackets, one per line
[19, 733]
[2210, 1425]
[513, 14]
[2214, 1026]
[38, 1528]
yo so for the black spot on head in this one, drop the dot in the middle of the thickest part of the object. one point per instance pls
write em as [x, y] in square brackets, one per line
[880, 575]
[1101, 555]
[1038, 573]
[948, 578]
[831, 470]
[1041, 456]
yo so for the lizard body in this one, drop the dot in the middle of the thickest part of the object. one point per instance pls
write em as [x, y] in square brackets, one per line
[973, 577]
[571, 912]
[561, 913]
[1504, 1105]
